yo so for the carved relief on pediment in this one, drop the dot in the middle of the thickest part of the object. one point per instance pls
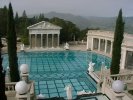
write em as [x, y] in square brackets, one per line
[44, 25]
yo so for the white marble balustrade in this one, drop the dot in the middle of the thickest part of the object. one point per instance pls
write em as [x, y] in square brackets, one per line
[10, 86]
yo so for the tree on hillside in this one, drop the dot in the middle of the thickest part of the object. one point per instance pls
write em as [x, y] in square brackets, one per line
[42, 18]
[32, 20]
[16, 16]
[24, 15]
[83, 34]
[17, 23]
[11, 40]
[61, 23]
[2, 77]
[23, 28]
[24, 23]
[72, 31]
[118, 37]
[68, 31]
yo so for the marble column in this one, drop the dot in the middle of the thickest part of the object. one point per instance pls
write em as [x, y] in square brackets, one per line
[105, 48]
[87, 43]
[58, 40]
[41, 40]
[52, 40]
[92, 43]
[111, 48]
[35, 40]
[47, 40]
[123, 58]
[99, 44]
[30, 40]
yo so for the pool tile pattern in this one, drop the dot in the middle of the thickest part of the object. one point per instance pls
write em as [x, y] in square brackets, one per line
[53, 71]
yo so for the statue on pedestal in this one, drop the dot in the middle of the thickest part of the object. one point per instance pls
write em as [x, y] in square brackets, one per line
[66, 47]
[91, 67]
[22, 47]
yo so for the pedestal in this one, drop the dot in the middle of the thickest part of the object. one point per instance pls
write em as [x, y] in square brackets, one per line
[118, 96]
[98, 87]
[23, 96]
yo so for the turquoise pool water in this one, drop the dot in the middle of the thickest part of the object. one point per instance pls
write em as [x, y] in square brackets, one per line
[53, 70]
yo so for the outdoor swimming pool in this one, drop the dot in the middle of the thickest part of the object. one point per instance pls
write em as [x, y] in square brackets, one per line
[53, 70]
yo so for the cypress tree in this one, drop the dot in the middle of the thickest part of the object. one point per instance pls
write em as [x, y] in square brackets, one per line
[118, 37]
[2, 77]
[3, 21]
[11, 39]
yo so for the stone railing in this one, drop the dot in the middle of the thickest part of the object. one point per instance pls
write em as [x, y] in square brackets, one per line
[127, 78]
[108, 81]
[10, 90]
[10, 86]
[77, 42]
[32, 90]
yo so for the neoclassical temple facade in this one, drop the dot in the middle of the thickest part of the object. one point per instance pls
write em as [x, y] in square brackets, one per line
[102, 42]
[44, 35]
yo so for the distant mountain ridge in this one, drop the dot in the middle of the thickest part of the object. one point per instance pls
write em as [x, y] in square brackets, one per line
[78, 20]
[104, 23]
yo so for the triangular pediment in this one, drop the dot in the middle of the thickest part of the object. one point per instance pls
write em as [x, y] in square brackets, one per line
[44, 25]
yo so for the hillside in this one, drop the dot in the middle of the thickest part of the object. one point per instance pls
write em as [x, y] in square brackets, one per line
[106, 23]
[80, 21]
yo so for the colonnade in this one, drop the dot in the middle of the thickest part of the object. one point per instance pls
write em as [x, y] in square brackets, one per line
[44, 40]
[127, 58]
[102, 45]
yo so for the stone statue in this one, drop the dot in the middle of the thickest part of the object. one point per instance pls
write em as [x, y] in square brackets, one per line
[22, 47]
[66, 47]
[91, 65]
[68, 89]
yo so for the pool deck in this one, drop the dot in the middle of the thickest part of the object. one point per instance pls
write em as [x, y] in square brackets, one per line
[72, 47]
[81, 46]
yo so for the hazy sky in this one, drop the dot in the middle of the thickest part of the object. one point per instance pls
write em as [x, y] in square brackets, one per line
[103, 8]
